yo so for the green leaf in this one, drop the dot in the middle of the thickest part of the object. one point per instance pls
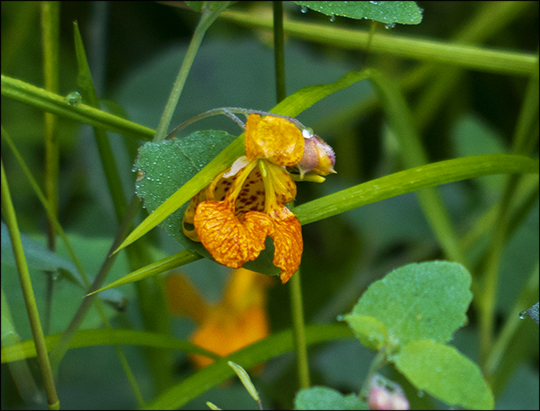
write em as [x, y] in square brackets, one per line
[198, 5]
[411, 180]
[56, 104]
[388, 12]
[370, 331]
[446, 374]
[426, 301]
[324, 398]
[39, 257]
[165, 264]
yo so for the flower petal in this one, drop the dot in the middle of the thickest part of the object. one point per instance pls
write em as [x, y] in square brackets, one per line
[251, 197]
[230, 242]
[288, 242]
[275, 139]
[282, 184]
[214, 191]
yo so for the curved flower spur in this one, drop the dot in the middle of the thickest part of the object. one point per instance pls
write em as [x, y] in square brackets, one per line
[233, 215]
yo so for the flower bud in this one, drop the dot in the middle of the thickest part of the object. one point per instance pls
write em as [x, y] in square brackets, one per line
[384, 395]
[319, 157]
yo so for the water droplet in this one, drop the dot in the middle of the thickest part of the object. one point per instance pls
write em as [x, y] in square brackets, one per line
[523, 314]
[420, 393]
[74, 98]
[374, 2]
[332, 18]
[303, 9]
[390, 26]
[307, 132]
[340, 318]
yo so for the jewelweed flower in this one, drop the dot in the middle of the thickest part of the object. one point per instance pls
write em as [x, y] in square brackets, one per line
[240, 318]
[242, 206]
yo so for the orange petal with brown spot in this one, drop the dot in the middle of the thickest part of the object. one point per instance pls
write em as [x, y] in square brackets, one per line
[229, 241]
[288, 243]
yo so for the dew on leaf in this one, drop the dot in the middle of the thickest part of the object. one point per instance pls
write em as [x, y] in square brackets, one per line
[522, 315]
[332, 18]
[303, 9]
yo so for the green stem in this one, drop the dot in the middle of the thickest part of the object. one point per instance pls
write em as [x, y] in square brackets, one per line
[50, 23]
[296, 288]
[279, 53]
[299, 330]
[228, 111]
[61, 348]
[28, 292]
[207, 18]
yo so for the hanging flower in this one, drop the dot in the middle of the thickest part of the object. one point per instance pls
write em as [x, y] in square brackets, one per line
[239, 319]
[242, 206]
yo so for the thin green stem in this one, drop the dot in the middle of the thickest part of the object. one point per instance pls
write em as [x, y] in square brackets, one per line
[279, 52]
[61, 348]
[440, 52]
[28, 292]
[521, 144]
[207, 18]
[299, 330]
[297, 309]
[50, 23]
[228, 111]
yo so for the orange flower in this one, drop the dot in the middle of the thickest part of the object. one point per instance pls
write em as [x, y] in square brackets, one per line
[239, 319]
[233, 216]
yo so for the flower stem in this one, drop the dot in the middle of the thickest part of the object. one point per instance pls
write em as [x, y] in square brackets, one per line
[207, 18]
[296, 288]
[299, 330]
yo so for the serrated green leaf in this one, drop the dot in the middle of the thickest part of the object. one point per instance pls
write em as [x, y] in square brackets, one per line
[324, 398]
[388, 12]
[426, 301]
[445, 373]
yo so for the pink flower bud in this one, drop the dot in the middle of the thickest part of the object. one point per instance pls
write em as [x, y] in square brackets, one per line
[318, 158]
[383, 396]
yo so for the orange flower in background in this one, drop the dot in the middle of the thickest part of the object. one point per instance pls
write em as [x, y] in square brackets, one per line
[233, 216]
[239, 319]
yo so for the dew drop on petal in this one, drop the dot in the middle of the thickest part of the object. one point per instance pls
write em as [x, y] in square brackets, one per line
[307, 132]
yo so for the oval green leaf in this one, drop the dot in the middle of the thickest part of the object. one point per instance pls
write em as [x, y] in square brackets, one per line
[445, 373]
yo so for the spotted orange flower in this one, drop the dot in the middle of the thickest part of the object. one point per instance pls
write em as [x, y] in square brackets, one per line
[233, 216]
